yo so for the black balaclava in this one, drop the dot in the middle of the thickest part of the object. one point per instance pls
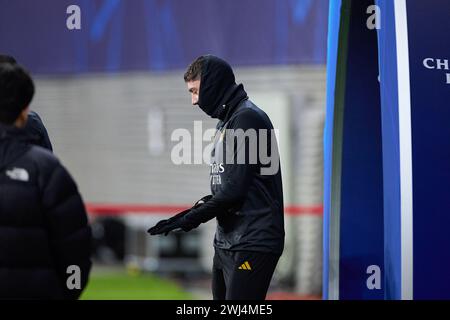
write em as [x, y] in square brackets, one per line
[218, 89]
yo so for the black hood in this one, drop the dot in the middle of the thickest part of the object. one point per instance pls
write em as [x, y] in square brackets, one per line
[14, 143]
[219, 92]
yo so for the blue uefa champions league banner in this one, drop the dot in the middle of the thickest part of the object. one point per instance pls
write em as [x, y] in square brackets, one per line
[387, 151]
[429, 47]
[415, 89]
[72, 36]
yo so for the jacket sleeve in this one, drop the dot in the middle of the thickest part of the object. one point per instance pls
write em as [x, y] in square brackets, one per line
[69, 231]
[237, 176]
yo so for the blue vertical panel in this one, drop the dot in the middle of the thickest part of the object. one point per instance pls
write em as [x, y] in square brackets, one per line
[333, 38]
[428, 28]
[361, 233]
[391, 157]
[356, 168]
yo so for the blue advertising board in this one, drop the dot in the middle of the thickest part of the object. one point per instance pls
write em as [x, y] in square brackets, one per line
[155, 35]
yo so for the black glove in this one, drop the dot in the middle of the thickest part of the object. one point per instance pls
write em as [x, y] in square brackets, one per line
[176, 222]
[163, 224]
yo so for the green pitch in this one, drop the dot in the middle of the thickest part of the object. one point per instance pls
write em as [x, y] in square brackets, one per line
[117, 285]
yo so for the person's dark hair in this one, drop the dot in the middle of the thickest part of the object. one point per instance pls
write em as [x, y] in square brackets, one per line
[194, 71]
[16, 91]
[4, 58]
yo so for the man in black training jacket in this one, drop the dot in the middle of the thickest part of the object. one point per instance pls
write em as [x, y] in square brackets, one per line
[247, 195]
[45, 239]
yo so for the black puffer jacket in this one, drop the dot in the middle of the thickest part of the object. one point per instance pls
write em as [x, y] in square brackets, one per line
[43, 223]
[247, 195]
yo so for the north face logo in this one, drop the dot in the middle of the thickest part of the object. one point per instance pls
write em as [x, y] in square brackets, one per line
[18, 174]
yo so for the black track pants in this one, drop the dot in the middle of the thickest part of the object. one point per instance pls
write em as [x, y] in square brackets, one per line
[242, 275]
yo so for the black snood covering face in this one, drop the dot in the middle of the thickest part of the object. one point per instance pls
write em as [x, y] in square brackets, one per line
[217, 87]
